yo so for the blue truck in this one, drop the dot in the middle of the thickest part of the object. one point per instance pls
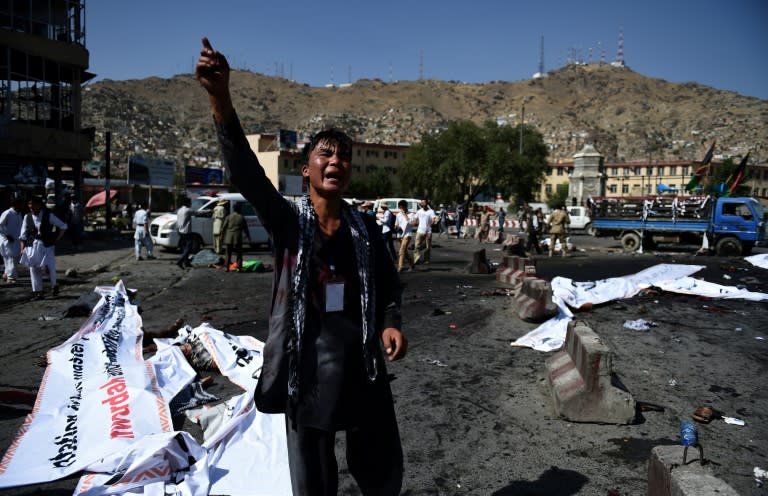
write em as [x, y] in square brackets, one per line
[733, 226]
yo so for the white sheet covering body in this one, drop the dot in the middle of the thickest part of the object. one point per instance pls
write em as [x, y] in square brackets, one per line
[550, 336]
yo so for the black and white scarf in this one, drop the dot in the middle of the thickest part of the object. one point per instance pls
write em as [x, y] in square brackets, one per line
[300, 286]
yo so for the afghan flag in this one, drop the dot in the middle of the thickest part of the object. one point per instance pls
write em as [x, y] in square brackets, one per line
[738, 175]
[702, 170]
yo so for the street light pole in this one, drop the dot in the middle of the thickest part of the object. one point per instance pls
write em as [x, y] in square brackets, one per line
[522, 123]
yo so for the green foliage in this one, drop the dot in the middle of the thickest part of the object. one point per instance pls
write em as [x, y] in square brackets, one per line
[559, 198]
[466, 159]
[375, 185]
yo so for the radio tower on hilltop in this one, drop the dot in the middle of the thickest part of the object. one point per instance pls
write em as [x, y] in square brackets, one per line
[541, 72]
[620, 52]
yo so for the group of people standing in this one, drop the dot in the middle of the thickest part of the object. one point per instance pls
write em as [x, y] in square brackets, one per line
[30, 238]
[422, 220]
[229, 228]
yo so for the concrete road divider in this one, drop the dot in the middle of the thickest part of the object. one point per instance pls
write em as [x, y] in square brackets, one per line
[533, 301]
[581, 380]
[514, 269]
[667, 476]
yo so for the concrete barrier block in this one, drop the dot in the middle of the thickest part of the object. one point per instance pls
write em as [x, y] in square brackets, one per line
[667, 476]
[533, 302]
[580, 378]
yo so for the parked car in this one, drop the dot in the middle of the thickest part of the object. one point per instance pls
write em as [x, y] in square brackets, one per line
[164, 233]
[580, 219]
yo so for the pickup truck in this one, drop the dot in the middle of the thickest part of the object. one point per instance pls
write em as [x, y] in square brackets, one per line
[580, 219]
[164, 233]
[733, 226]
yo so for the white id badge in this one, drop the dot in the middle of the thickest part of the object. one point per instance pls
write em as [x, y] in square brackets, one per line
[334, 296]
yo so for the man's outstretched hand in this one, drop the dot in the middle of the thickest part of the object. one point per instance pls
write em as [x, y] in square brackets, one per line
[212, 71]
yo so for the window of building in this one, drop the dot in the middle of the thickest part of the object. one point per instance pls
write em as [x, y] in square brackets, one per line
[560, 171]
[660, 171]
[672, 170]
[614, 171]
[649, 171]
[626, 171]
[38, 91]
[612, 188]
[685, 170]
[625, 188]
[637, 170]
[548, 189]
[549, 171]
[60, 21]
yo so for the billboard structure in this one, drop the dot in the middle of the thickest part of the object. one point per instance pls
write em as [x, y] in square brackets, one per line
[151, 172]
[203, 175]
[288, 139]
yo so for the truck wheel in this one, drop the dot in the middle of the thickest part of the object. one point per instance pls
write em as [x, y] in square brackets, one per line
[728, 247]
[589, 229]
[630, 241]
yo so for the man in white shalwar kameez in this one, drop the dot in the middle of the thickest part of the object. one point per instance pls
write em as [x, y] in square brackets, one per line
[40, 231]
[141, 235]
[10, 228]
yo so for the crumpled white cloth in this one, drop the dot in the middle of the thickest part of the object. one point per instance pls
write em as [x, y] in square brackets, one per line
[760, 260]
[550, 336]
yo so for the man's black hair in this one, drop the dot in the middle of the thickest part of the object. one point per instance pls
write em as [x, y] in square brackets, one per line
[333, 137]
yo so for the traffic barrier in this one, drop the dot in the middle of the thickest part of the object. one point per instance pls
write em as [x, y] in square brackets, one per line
[479, 263]
[513, 245]
[514, 269]
[581, 379]
[667, 476]
[533, 301]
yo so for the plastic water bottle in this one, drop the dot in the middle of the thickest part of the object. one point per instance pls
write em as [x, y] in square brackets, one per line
[688, 434]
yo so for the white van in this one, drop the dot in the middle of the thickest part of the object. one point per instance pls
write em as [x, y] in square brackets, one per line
[164, 233]
[391, 203]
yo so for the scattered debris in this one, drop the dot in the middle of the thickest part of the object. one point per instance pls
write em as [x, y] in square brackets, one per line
[733, 421]
[703, 414]
[639, 325]
[760, 476]
[431, 361]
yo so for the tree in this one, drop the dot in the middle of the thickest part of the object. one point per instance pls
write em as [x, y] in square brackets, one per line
[375, 185]
[466, 159]
[559, 198]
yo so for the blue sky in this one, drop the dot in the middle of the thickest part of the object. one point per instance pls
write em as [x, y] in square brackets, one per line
[715, 43]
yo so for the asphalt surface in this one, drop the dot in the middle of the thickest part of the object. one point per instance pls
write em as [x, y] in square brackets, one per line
[475, 413]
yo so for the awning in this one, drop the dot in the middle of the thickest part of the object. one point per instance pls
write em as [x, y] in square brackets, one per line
[97, 200]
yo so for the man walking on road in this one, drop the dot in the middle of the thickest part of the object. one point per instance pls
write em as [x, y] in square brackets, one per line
[335, 314]
[558, 222]
[10, 228]
[40, 232]
[141, 235]
[183, 225]
[405, 224]
[426, 217]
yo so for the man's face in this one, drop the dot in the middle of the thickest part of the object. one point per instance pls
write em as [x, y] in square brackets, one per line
[35, 207]
[328, 169]
[423, 204]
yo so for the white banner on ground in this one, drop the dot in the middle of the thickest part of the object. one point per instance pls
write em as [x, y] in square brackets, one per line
[550, 336]
[245, 453]
[97, 396]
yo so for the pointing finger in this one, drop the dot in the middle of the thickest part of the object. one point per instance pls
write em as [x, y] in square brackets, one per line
[207, 44]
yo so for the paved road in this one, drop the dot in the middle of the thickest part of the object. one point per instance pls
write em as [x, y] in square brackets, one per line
[474, 412]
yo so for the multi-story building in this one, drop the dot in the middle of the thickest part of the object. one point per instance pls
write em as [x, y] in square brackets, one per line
[43, 62]
[283, 165]
[638, 178]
